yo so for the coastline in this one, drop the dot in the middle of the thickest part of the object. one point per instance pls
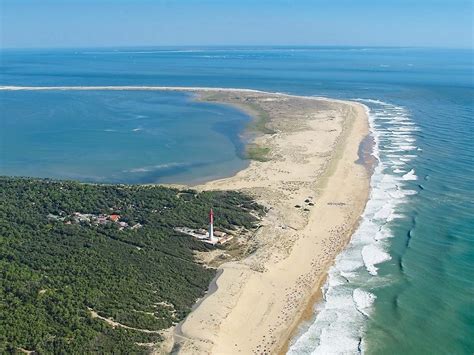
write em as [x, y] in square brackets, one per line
[217, 325]
[311, 153]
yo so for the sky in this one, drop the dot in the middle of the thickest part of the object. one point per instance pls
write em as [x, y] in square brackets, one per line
[123, 23]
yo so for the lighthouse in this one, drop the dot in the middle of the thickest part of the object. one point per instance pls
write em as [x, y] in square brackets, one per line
[211, 227]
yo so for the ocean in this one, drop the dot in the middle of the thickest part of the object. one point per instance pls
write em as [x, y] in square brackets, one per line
[404, 284]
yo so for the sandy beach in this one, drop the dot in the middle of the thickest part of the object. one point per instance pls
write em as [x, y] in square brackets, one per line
[315, 190]
[307, 171]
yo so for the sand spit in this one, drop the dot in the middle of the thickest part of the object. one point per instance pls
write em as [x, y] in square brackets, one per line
[316, 192]
[312, 146]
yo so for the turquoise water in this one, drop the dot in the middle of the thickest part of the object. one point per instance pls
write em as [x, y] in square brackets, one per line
[404, 285]
[118, 136]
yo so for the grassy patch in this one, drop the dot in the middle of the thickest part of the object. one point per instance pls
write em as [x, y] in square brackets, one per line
[256, 152]
[260, 121]
[260, 117]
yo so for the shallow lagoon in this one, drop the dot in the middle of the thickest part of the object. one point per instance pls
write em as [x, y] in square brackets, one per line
[119, 136]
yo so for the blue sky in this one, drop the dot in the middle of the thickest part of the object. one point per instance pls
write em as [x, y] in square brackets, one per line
[88, 23]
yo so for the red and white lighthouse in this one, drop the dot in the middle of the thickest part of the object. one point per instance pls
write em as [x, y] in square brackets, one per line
[211, 226]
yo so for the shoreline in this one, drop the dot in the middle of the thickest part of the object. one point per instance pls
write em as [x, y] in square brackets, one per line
[315, 298]
[316, 295]
[311, 179]
[216, 325]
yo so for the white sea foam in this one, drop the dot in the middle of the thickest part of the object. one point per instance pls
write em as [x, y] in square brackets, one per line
[403, 146]
[373, 255]
[339, 323]
[363, 300]
[410, 175]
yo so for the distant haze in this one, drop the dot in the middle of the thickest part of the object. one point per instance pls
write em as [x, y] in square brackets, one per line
[99, 23]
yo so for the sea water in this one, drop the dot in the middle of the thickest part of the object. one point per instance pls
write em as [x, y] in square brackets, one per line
[118, 136]
[404, 284]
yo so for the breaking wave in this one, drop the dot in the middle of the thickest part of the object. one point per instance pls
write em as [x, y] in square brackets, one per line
[340, 319]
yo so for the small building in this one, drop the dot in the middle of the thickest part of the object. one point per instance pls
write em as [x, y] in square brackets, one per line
[136, 226]
[219, 234]
[225, 239]
[114, 217]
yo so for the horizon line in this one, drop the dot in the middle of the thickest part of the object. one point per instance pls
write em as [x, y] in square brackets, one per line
[246, 46]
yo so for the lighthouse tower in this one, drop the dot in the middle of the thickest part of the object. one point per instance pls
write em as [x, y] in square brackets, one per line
[211, 227]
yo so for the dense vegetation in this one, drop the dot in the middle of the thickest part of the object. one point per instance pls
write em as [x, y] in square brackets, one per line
[52, 274]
